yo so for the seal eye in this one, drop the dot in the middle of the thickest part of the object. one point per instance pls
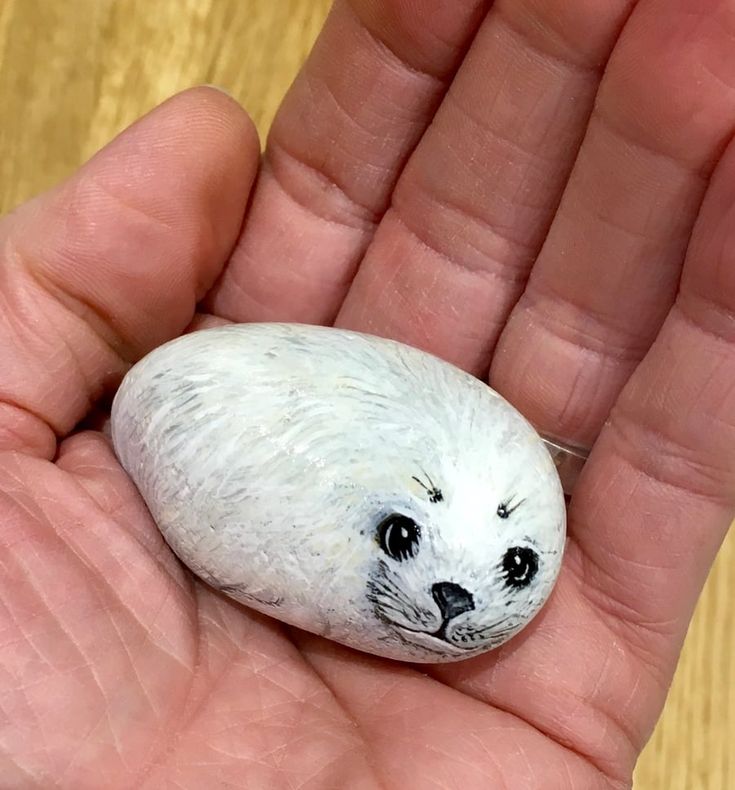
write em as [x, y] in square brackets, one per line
[520, 565]
[399, 537]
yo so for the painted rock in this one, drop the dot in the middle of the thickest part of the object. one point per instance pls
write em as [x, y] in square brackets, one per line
[345, 484]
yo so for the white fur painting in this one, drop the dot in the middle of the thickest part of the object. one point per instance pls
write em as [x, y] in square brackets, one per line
[345, 484]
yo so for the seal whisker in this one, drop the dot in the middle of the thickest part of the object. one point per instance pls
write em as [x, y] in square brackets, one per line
[385, 600]
[384, 597]
[391, 591]
[388, 588]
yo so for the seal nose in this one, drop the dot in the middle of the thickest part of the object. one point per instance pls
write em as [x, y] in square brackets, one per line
[452, 599]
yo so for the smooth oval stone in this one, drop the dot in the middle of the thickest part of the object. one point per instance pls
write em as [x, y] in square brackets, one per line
[348, 485]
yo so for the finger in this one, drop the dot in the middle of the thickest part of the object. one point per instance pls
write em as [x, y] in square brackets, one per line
[474, 204]
[337, 145]
[651, 510]
[610, 267]
[111, 263]
[659, 493]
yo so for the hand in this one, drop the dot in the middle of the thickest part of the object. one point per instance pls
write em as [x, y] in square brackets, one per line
[570, 234]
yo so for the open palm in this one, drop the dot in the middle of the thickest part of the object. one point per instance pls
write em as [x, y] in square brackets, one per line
[540, 192]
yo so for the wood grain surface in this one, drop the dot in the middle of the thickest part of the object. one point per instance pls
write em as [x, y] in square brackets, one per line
[75, 72]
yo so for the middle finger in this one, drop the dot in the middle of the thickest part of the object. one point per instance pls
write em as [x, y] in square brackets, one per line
[475, 202]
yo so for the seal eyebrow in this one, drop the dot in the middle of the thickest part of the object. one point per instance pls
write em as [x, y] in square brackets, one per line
[435, 494]
[504, 509]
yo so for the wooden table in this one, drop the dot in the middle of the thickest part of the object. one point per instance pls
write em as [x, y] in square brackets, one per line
[75, 72]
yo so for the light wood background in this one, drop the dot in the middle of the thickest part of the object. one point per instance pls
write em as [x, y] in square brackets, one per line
[75, 72]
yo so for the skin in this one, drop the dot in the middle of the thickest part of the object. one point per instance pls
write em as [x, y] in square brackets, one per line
[568, 234]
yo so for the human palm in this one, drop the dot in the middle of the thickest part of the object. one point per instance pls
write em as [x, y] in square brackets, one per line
[569, 235]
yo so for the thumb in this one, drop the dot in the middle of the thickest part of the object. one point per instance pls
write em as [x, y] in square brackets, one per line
[111, 263]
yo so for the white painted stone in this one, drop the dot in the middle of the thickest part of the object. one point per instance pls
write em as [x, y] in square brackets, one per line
[352, 486]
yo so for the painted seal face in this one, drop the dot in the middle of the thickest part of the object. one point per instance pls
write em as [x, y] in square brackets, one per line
[461, 572]
[348, 485]
[462, 539]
